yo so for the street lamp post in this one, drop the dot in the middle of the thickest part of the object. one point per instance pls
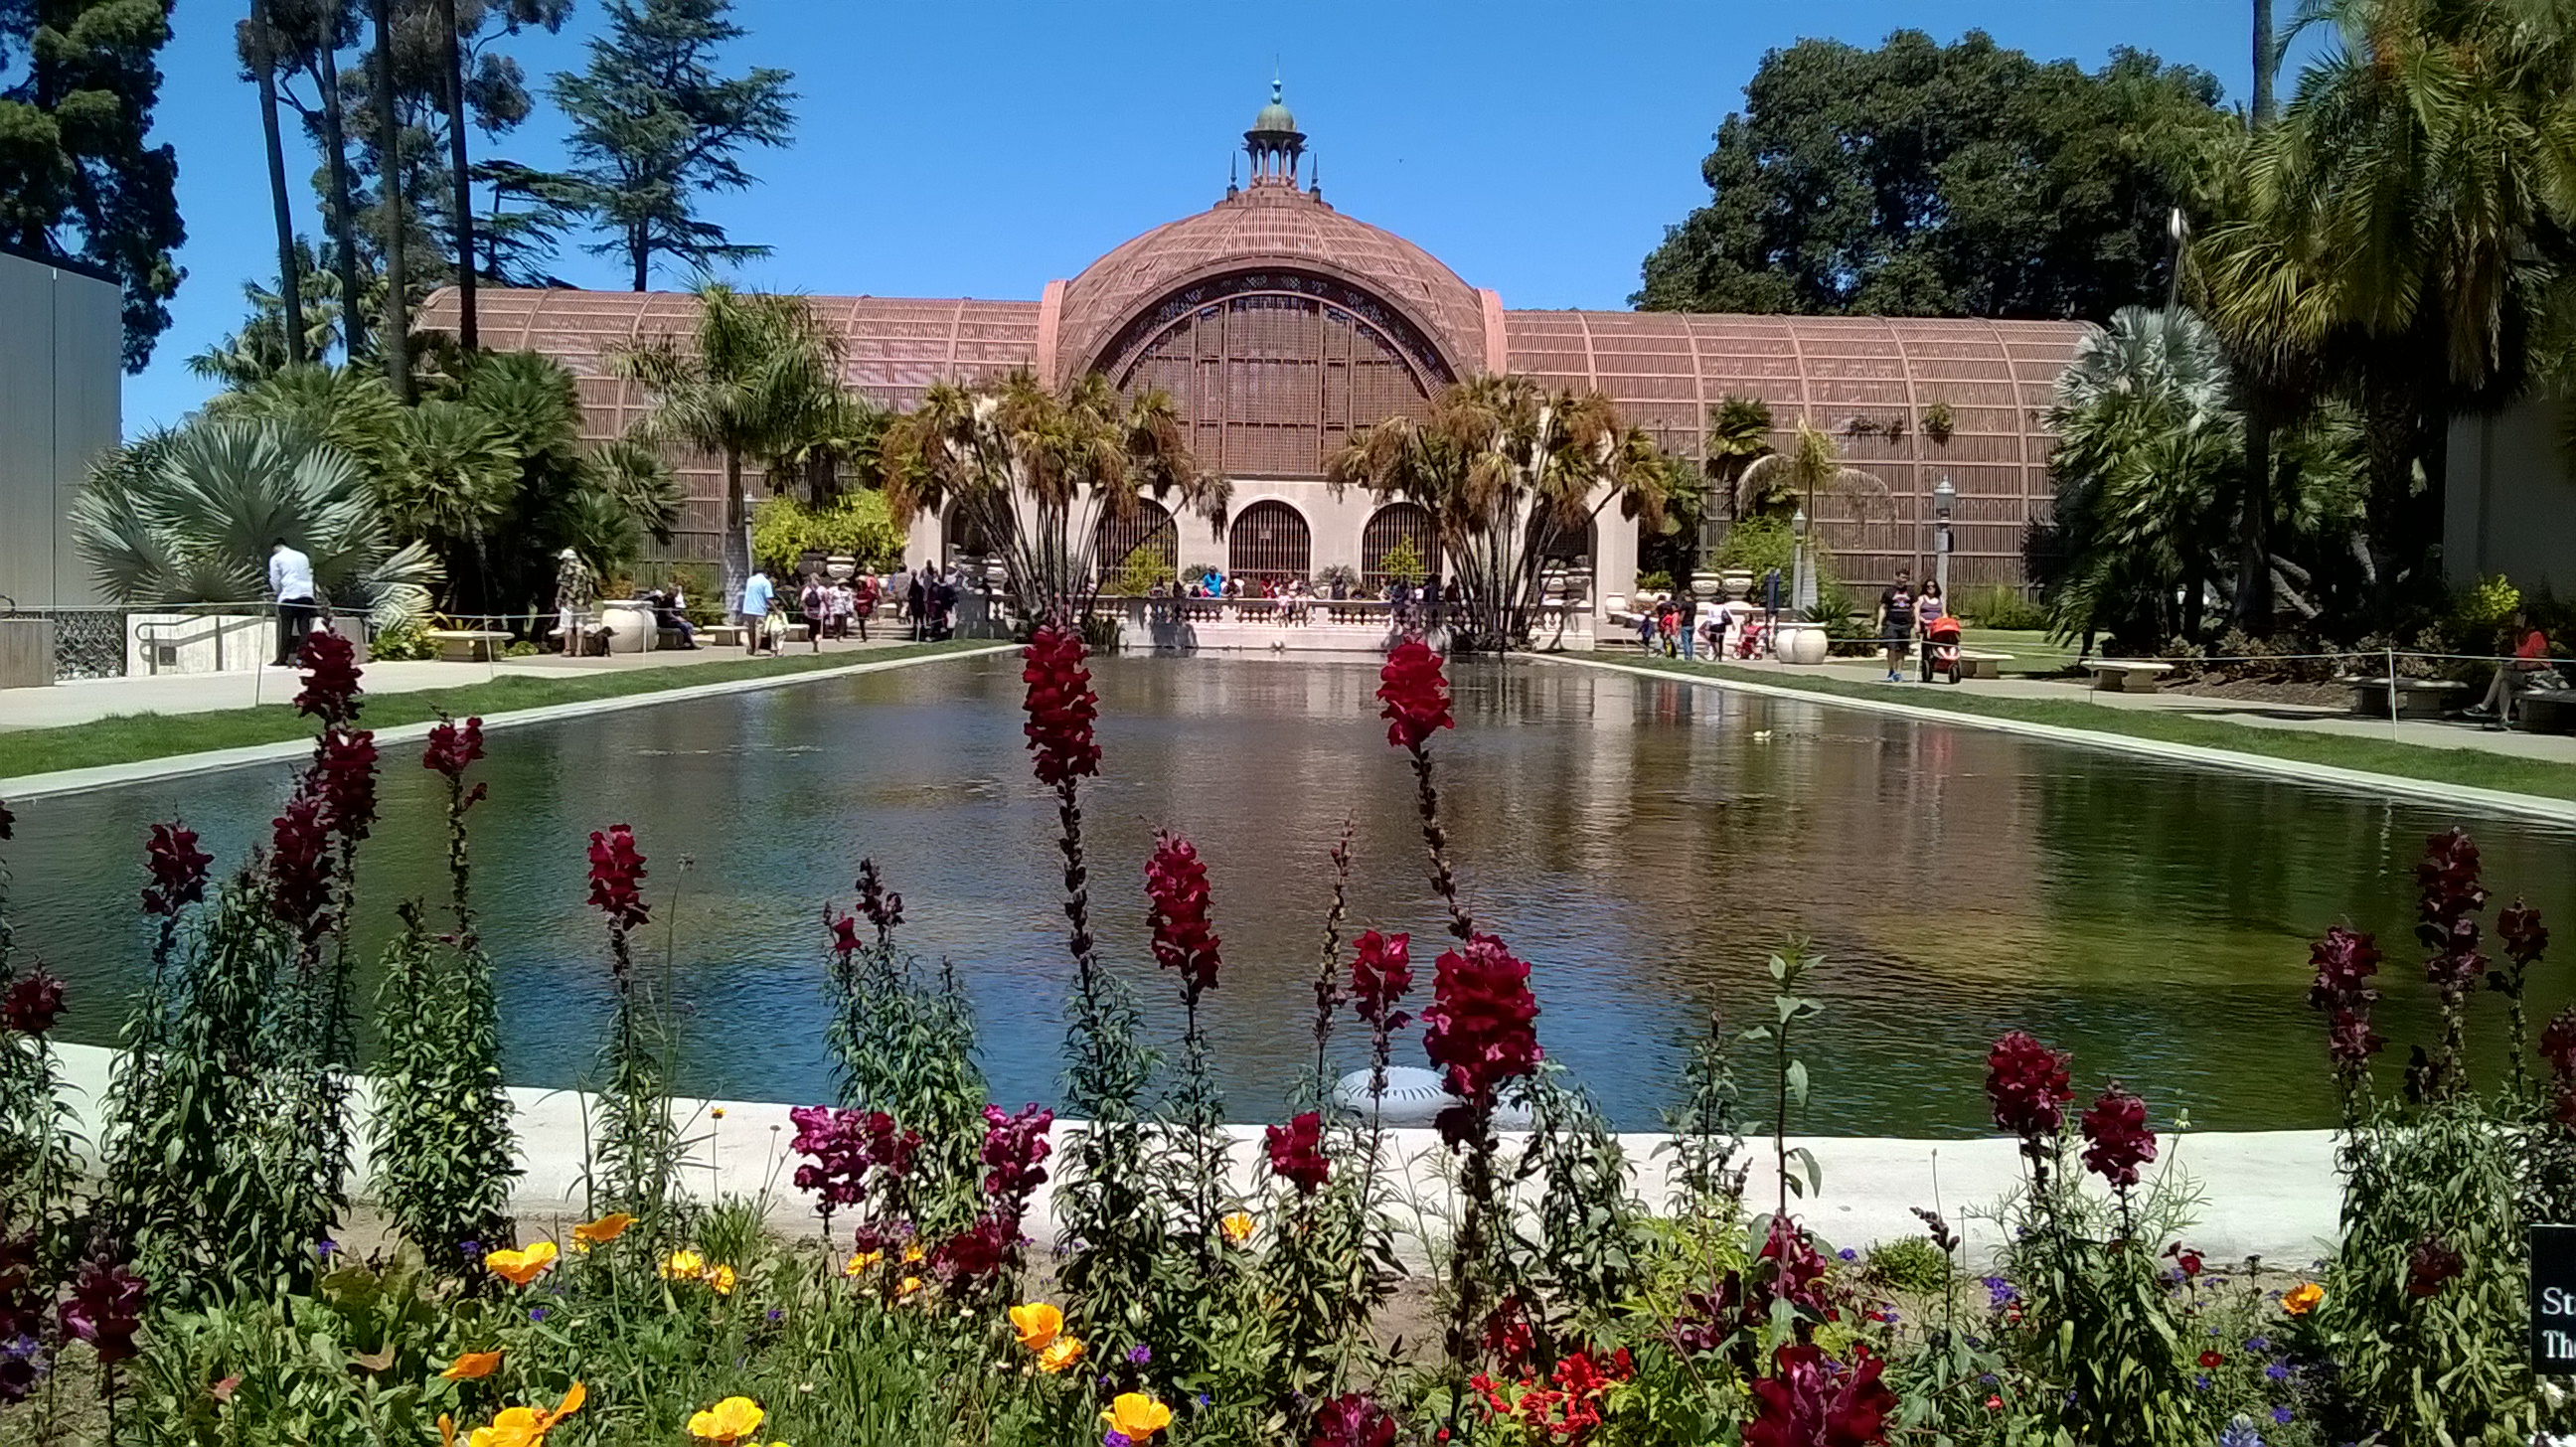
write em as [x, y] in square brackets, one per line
[1802, 578]
[1945, 501]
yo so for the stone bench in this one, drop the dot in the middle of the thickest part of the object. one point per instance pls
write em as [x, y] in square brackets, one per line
[468, 645]
[1982, 665]
[729, 635]
[2545, 710]
[2126, 675]
[2420, 698]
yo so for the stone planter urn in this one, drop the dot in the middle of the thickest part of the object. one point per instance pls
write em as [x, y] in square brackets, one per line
[840, 567]
[1801, 643]
[1738, 581]
[629, 624]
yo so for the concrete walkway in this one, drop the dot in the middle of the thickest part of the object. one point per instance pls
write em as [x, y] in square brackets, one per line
[88, 700]
[2269, 1193]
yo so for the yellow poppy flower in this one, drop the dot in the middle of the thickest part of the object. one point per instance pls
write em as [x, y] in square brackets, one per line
[727, 1422]
[904, 1289]
[1237, 1226]
[722, 1280]
[1136, 1416]
[446, 1430]
[472, 1366]
[684, 1266]
[718, 1111]
[1037, 1323]
[602, 1231]
[520, 1267]
[527, 1426]
[912, 1253]
[2303, 1298]
[861, 1262]
[1059, 1354]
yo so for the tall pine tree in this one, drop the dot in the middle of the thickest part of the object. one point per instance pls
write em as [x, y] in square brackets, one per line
[77, 180]
[654, 127]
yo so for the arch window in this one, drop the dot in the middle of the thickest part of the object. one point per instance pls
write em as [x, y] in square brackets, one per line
[1149, 531]
[1391, 527]
[1270, 541]
[962, 535]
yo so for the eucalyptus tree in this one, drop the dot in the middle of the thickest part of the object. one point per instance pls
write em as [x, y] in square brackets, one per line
[258, 42]
[1510, 473]
[747, 382]
[1036, 473]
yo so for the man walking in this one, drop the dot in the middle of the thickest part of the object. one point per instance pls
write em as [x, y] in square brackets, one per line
[290, 582]
[1896, 623]
[575, 590]
[757, 596]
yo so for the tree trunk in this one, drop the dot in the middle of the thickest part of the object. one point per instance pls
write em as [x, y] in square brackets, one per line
[2253, 550]
[389, 176]
[737, 532]
[344, 224]
[460, 180]
[2266, 63]
[643, 257]
[290, 270]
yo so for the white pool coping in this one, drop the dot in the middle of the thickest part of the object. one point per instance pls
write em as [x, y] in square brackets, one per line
[109, 776]
[2322, 776]
[2273, 1194]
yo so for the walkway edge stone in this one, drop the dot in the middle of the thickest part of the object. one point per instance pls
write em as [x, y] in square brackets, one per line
[109, 776]
[2323, 776]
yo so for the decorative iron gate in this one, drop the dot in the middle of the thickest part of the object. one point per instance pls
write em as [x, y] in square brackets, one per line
[1269, 540]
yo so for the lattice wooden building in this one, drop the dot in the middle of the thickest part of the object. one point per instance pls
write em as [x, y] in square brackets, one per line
[1280, 325]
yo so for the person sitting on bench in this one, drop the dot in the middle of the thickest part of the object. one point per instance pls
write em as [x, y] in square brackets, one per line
[2530, 656]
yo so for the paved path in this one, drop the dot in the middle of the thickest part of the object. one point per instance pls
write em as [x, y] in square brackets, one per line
[87, 700]
[2253, 713]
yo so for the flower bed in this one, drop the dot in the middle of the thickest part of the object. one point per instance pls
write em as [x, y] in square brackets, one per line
[190, 1292]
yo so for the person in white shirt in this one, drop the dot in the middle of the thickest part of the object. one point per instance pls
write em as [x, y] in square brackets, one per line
[757, 595]
[290, 582]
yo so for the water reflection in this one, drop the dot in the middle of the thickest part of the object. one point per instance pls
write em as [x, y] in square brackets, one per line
[1645, 843]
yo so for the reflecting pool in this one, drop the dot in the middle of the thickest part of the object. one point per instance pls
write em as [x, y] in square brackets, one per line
[1645, 843]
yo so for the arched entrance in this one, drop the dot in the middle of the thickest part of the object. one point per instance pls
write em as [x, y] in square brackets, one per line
[1569, 549]
[1394, 530]
[1146, 538]
[1270, 541]
[961, 537]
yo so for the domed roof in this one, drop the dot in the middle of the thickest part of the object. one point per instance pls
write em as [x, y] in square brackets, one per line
[1269, 227]
[1274, 116]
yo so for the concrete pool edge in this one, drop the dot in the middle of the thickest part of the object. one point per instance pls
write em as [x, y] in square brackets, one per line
[109, 776]
[2273, 1194]
[2529, 806]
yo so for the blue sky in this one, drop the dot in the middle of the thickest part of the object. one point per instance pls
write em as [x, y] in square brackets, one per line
[979, 149]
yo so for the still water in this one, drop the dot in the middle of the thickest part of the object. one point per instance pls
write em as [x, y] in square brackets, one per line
[1645, 844]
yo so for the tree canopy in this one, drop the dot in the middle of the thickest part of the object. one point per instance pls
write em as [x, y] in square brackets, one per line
[77, 181]
[1922, 179]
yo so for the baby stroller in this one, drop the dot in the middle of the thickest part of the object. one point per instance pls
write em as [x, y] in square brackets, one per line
[1941, 648]
[1753, 640]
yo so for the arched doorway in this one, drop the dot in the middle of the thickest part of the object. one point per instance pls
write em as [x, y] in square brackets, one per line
[961, 536]
[1394, 530]
[1570, 550]
[1145, 540]
[1270, 541]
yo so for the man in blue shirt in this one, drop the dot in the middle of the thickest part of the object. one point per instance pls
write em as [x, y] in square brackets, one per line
[757, 597]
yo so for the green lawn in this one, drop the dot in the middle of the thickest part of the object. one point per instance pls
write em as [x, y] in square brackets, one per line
[2031, 649]
[133, 737]
[2473, 768]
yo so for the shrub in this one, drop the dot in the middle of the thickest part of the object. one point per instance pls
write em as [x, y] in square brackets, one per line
[1911, 1264]
[1998, 606]
[857, 523]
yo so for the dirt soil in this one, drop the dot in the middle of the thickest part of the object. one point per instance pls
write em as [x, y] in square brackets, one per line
[2267, 690]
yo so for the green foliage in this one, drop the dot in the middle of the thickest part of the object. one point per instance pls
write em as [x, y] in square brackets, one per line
[188, 517]
[1655, 581]
[1403, 563]
[1919, 179]
[855, 523]
[903, 1041]
[1910, 1264]
[1578, 1251]
[1999, 606]
[82, 182]
[654, 127]
[2482, 611]
[1757, 545]
[439, 1141]
[1938, 422]
[1145, 568]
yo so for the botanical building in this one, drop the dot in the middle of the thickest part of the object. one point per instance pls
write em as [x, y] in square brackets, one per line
[1280, 325]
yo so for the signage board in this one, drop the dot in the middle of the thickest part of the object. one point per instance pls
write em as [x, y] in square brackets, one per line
[2553, 1300]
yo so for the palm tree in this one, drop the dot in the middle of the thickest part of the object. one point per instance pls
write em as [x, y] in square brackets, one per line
[1036, 473]
[451, 85]
[397, 327]
[188, 516]
[1812, 465]
[452, 484]
[1739, 434]
[351, 409]
[258, 43]
[746, 383]
[1508, 471]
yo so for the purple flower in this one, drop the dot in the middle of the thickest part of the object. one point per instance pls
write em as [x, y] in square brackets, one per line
[2200, 1383]
[470, 1250]
[536, 1313]
[1999, 1292]
[2281, 1415]
[2277, 1372]
[1139, 1354]
[1114, 1438]
[1848, 1254]
[2258, 1344]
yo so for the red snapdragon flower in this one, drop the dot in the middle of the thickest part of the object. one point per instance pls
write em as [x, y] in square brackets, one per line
[882, 906]
[178, 869]
[843, 1146]
[2434, 1264]
[845, 933]
[2558, 1047]
[1061, 706]
[978, 1251]
[34, 1002]
[345, 774]
[299, 874]
[2344, 962]
[105, 1309]
[2026, 1083]
[617, 876]
[1811, 1400]
[2447, 911]
[331, 689]
[1481, 1027]
[2118, 1140]
[2525, 938]
[1015, 1149]
[1416, 695]
[1381, 973]
[1297, 1152]
[1353, 1420]
[1176, 883]
[453, 749]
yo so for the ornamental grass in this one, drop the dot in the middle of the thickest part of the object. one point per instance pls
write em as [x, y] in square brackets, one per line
[977, 1272]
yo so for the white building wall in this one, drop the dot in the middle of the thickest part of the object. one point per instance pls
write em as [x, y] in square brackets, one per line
[61, 338]
[2510, 505]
